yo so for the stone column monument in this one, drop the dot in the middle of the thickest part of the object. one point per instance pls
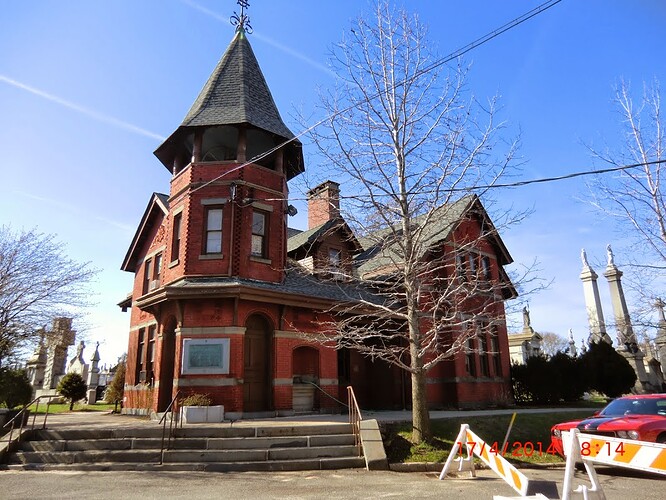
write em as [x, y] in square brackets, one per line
[595, 316]
[660, 339]
[57, 342]
[36, 365]
[93, 376]
[626, 339]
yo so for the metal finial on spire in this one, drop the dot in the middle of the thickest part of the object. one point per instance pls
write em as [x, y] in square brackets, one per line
[242, 20]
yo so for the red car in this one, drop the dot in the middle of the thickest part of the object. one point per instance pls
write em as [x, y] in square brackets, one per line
[641, 417]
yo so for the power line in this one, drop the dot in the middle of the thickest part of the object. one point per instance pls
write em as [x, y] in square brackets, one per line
[504, 185]
[564, 177]
[454, 55]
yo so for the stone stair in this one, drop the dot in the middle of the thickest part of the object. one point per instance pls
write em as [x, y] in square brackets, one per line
[219, 449]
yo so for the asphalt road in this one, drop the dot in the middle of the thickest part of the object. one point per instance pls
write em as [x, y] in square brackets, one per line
[617, 484]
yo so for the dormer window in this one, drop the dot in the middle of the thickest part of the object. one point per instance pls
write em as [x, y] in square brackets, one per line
[334, 258]
[485, 268]
[259, 224]
[213, 233]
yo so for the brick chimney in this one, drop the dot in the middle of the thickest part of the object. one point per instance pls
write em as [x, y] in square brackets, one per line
[323, 203]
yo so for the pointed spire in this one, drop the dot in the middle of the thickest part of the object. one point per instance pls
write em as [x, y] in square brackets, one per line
[236, 94]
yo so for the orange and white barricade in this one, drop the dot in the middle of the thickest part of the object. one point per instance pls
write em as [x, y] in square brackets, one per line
[476, 446]
[591, 449]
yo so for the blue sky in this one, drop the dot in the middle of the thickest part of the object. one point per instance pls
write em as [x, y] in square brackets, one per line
[88, 89]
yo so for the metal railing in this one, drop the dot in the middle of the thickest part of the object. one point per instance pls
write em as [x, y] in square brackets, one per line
[22, 418]
[355, 418]
[173, 415]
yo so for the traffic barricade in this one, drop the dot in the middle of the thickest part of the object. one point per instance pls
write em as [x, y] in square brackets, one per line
[590, 449]
[492, 458]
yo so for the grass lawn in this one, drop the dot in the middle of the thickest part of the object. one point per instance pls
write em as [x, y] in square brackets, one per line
[528, 442]
[64, 408]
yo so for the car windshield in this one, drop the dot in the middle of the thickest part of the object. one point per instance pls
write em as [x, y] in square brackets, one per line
[635, 407]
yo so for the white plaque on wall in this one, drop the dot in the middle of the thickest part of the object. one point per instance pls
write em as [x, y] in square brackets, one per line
[205, 356]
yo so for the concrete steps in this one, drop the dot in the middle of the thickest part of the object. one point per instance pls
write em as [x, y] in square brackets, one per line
[219, 449]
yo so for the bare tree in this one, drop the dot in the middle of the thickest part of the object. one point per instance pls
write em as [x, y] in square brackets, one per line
[552, 343]
[634, 197]
[37, 283]
[413, 149]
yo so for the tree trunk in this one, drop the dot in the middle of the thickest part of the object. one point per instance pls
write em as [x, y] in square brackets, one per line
[71, 405]
[420, 416]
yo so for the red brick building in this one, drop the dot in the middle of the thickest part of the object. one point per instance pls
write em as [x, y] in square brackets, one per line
[228, 301]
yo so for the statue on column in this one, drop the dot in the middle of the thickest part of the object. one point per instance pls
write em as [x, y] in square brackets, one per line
[611, 257]
[526, 318]
[573, 352]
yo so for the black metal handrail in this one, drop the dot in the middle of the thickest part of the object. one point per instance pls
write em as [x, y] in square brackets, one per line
[355, 418]
[20, 417]
[170, 410]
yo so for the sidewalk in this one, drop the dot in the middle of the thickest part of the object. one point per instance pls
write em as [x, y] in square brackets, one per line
[104, 419]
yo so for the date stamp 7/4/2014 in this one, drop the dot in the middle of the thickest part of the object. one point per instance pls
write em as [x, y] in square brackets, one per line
[517, 449]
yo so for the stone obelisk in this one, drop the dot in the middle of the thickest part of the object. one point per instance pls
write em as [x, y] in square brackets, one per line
[660, 340]
[626, 339]
[595, 316]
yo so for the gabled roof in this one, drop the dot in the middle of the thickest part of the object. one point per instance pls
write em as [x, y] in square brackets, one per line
[158, 205]
[235, 93]
[310, 236]
[436, 226]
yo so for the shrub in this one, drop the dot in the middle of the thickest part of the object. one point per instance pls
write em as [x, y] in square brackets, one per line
[196, 399]
[547, 381]
[15, 388]
[537, 381]
[573, 376]
[73, 388]
[116, 390]
[610, 373]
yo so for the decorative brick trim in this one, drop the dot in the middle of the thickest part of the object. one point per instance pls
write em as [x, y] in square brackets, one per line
[207, 382]
[210, 330]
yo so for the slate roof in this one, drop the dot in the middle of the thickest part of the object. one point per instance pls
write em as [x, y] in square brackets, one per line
[235, 93]
[437, 227]
[159, 203]
[297, 282]
[309, 236]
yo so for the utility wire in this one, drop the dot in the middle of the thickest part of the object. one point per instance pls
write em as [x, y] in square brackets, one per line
[454, 55]
[564, 177]
[527, 182]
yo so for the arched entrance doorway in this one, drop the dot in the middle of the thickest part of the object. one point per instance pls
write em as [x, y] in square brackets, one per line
[167, 364]
[257, 365]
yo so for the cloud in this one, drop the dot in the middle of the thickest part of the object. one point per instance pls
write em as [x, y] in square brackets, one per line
[76, 210]
[259, 36]
[80, 109]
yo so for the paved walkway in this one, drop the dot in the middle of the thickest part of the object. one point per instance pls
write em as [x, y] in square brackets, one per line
[104, 419]
[343, 484]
